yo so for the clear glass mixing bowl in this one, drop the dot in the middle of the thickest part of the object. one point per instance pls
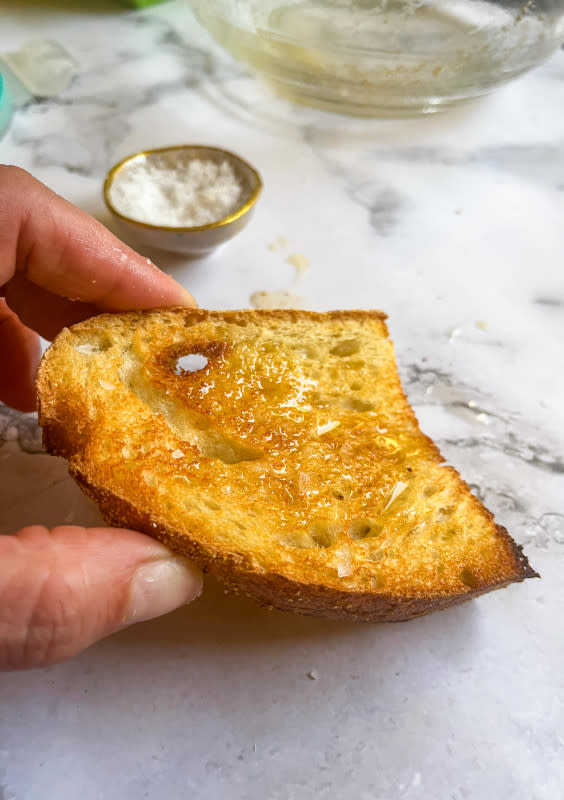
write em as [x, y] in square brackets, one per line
[385, 57]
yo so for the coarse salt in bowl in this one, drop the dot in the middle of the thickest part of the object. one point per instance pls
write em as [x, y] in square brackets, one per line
[188, 199]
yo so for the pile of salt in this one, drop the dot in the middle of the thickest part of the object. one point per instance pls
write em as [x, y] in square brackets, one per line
[184, 194]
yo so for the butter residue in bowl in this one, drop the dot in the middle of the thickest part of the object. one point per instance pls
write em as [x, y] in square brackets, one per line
[186, 192]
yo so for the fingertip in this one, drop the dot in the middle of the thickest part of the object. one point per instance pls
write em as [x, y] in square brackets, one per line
[160, 586]
[172, 293]
[186, 299]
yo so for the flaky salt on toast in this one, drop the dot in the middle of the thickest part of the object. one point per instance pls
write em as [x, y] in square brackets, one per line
[277, 450]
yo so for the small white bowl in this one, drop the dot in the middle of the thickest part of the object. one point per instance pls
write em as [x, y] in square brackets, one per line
[197, 240]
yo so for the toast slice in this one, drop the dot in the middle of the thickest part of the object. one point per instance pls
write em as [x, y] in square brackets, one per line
[277, 450]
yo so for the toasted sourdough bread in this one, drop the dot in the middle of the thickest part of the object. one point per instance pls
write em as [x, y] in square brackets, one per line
[286, 461]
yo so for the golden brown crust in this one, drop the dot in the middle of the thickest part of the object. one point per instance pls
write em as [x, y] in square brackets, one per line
[291, 466]
[276, 591]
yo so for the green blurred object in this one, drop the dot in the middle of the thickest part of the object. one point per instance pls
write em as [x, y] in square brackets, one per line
[5, 107]
[141, 3]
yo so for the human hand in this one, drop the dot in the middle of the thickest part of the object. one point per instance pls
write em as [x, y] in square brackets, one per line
[65, 588]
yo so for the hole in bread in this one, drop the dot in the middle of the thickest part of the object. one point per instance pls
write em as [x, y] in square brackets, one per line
[342, 491]
[92, 347]
[444, 513]
[297, 539]
[193, 362]
[269, 388]
[347, 347]
[355, 386]
[323, 532]
[468, 578]
[212, 505]
[317, 400]
[429, 491]
[306, 351]
[355, 404]
[362, 528]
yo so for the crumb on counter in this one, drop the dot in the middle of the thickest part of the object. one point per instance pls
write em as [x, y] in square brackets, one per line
[299, 262]
[280, 243]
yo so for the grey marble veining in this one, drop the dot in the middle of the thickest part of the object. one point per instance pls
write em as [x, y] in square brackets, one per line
[453, 226]
[22, 428]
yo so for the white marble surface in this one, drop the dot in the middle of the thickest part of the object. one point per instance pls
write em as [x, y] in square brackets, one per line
[454, 226]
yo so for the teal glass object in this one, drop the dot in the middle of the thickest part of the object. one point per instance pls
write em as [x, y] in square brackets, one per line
[5, 107]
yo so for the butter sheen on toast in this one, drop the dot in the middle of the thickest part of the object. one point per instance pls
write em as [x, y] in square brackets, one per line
[285, 460]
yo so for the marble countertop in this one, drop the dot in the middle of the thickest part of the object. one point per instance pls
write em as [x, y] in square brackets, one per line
[454, 225]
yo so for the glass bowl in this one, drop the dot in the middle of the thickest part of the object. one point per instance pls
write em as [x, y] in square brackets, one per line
[385, 57]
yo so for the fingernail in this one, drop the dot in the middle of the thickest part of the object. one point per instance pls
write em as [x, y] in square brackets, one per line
[161, 586]
[186, 299]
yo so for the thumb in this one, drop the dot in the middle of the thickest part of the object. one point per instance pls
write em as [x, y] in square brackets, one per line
[65, 588]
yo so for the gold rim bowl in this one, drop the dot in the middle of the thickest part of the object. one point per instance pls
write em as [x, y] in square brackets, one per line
[191, 240]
